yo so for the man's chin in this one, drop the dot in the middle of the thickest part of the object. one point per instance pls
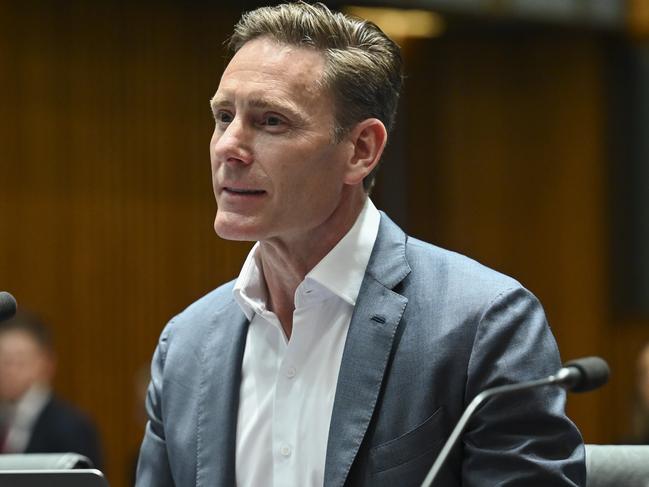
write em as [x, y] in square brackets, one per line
[229, 231]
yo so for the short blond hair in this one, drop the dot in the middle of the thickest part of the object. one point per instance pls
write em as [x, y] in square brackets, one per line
[363, 68]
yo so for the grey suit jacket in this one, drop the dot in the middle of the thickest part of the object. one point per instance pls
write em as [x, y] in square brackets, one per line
[431, 329]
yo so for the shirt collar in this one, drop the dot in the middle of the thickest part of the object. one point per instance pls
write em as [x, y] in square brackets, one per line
[250, 288]
[341, 271]
[31, 404]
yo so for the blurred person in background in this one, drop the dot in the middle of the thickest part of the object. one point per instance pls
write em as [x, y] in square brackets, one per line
[640, 433]
[32, 419]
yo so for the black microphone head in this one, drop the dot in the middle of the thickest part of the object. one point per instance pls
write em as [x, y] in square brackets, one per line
[592, 373]
[7, 306]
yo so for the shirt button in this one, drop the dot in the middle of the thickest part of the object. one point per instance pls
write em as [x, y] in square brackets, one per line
[285, 451]
[290, 372]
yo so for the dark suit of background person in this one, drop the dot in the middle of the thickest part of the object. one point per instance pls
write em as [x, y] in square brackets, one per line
[45, 424]
[431, 329]
[62, 428]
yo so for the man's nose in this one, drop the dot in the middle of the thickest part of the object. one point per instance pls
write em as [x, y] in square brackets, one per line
[232, 145]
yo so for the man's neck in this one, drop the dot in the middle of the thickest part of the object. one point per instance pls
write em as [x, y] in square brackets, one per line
[285, 264]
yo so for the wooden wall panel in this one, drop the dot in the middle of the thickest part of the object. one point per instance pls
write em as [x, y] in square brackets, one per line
[106, 202]
[509, 168]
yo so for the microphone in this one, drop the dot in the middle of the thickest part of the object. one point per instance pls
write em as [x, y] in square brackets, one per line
[7, 306]
[580, 375]
[584, 374]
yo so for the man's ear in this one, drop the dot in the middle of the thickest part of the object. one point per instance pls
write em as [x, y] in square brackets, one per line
[368, 138]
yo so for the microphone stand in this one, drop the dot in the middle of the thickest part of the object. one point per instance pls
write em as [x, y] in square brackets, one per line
[562, 378]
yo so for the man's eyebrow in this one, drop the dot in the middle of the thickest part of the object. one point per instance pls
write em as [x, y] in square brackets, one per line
[219, 102]
[271, 103]
[280, 104]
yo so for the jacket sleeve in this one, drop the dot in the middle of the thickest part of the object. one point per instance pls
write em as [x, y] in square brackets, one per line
[524, 438]
[153, 469]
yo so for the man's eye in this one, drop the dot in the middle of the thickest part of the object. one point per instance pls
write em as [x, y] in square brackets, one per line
[224, 117]
[273, 121]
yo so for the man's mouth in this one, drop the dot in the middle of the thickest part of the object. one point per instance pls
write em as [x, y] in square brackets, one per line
[243, 191]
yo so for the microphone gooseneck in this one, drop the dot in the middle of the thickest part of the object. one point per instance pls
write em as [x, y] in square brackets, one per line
[580, 375]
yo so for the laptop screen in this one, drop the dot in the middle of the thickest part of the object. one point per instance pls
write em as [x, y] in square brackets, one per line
[52, 478]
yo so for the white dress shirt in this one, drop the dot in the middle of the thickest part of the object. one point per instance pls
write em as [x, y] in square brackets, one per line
[23, 418]
[288, 386]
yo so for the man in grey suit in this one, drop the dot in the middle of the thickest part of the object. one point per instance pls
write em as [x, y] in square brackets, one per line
[345, 351]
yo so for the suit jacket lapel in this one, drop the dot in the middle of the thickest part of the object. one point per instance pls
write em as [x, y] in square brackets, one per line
[219, 398]
[367, 350]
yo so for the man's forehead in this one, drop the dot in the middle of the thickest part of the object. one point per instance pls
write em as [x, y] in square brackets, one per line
[266, 74]
[18, 340]
[264, 58]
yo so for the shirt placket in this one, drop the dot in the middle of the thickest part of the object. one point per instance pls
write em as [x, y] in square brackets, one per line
[287, 406]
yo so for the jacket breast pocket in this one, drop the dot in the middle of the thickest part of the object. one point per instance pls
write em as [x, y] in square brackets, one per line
[406, 460]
